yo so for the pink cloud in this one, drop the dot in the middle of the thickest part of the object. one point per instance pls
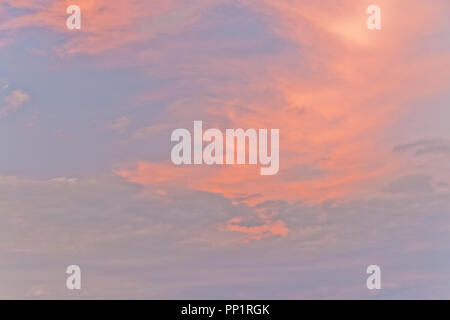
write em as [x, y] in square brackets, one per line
[333, 99]
[105, 24]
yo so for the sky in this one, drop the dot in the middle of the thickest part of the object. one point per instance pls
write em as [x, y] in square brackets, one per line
[86, 177]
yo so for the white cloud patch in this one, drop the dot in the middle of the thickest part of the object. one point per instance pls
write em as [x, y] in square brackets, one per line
[14, 101]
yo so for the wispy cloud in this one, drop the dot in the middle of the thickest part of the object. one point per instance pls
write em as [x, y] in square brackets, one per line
[121, 124]
[13, 102]
[106, 25]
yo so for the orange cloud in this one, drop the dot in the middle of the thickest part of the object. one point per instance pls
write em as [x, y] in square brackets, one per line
[332, 99]
[269, 228]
